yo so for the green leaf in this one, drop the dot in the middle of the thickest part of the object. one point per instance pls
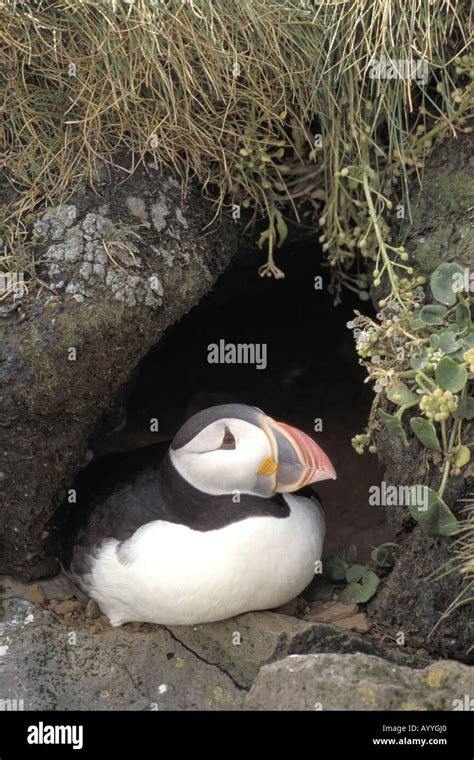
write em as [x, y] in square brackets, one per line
[463, 315]
[446, 342]
[465, 410]
[429, 509]
[419, 358]
[432, 314]
[443, 282]
[385, 555]
[358, 593]
[347, 553]
[356, 572]
[450, 375]
[416, 322]
[469, 340]
[393, 425]
[458, 355]
[400, 394]
[425, 431]
[282, 229]
[335, 568]
[351, 594]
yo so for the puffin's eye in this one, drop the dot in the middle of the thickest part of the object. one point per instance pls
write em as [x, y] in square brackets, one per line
[228, 441]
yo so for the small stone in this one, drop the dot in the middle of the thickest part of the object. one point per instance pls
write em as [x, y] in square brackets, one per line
[68, 605]
[35, 594]
[82, 598]
[92, 610]
[422, 653]
[329, 612]
[358, 623]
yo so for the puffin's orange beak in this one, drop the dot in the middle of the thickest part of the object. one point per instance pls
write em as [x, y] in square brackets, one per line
[297, 459]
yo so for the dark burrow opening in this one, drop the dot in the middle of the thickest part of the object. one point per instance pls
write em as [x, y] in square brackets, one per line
[311, 373]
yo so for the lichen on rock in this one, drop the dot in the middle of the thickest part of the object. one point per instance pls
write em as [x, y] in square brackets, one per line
[105, 257]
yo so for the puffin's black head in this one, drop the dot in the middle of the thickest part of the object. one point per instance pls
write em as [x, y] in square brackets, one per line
[234, 447]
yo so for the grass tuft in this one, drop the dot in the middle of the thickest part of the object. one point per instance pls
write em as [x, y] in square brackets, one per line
[269, 103]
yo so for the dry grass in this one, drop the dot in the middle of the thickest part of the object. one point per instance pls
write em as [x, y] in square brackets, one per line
[461, 560]
[233, 92]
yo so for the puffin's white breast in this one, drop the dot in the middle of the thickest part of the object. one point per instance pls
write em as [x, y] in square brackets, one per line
[167, 573]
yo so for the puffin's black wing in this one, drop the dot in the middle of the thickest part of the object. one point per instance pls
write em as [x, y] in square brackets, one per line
[114, 496]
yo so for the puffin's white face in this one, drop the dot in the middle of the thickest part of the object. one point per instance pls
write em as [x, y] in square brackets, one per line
[236, 448]
[225, 457]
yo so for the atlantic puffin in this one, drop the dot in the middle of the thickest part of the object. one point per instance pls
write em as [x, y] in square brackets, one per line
[206, 531]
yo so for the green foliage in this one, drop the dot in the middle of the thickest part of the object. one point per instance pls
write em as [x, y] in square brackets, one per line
[385, 555]
[423, 358]
[450, 375]
[425, 431]
[441, 282]
[356, 583]
[357, 593]
[431, 511]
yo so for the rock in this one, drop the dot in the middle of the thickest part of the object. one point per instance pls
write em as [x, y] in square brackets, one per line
[111, 287]
[69, 605]
[357, 682]
[35, 594]
[113, 670]
[241, 646]
[328, 612]
[411, 602]
[357, 623]
[92, 610]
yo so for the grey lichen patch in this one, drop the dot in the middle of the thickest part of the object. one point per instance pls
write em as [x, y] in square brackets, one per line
[169, 257]
[54, 222]
[94, 254]
[137, 208]
[160, 210]
[181, 218]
